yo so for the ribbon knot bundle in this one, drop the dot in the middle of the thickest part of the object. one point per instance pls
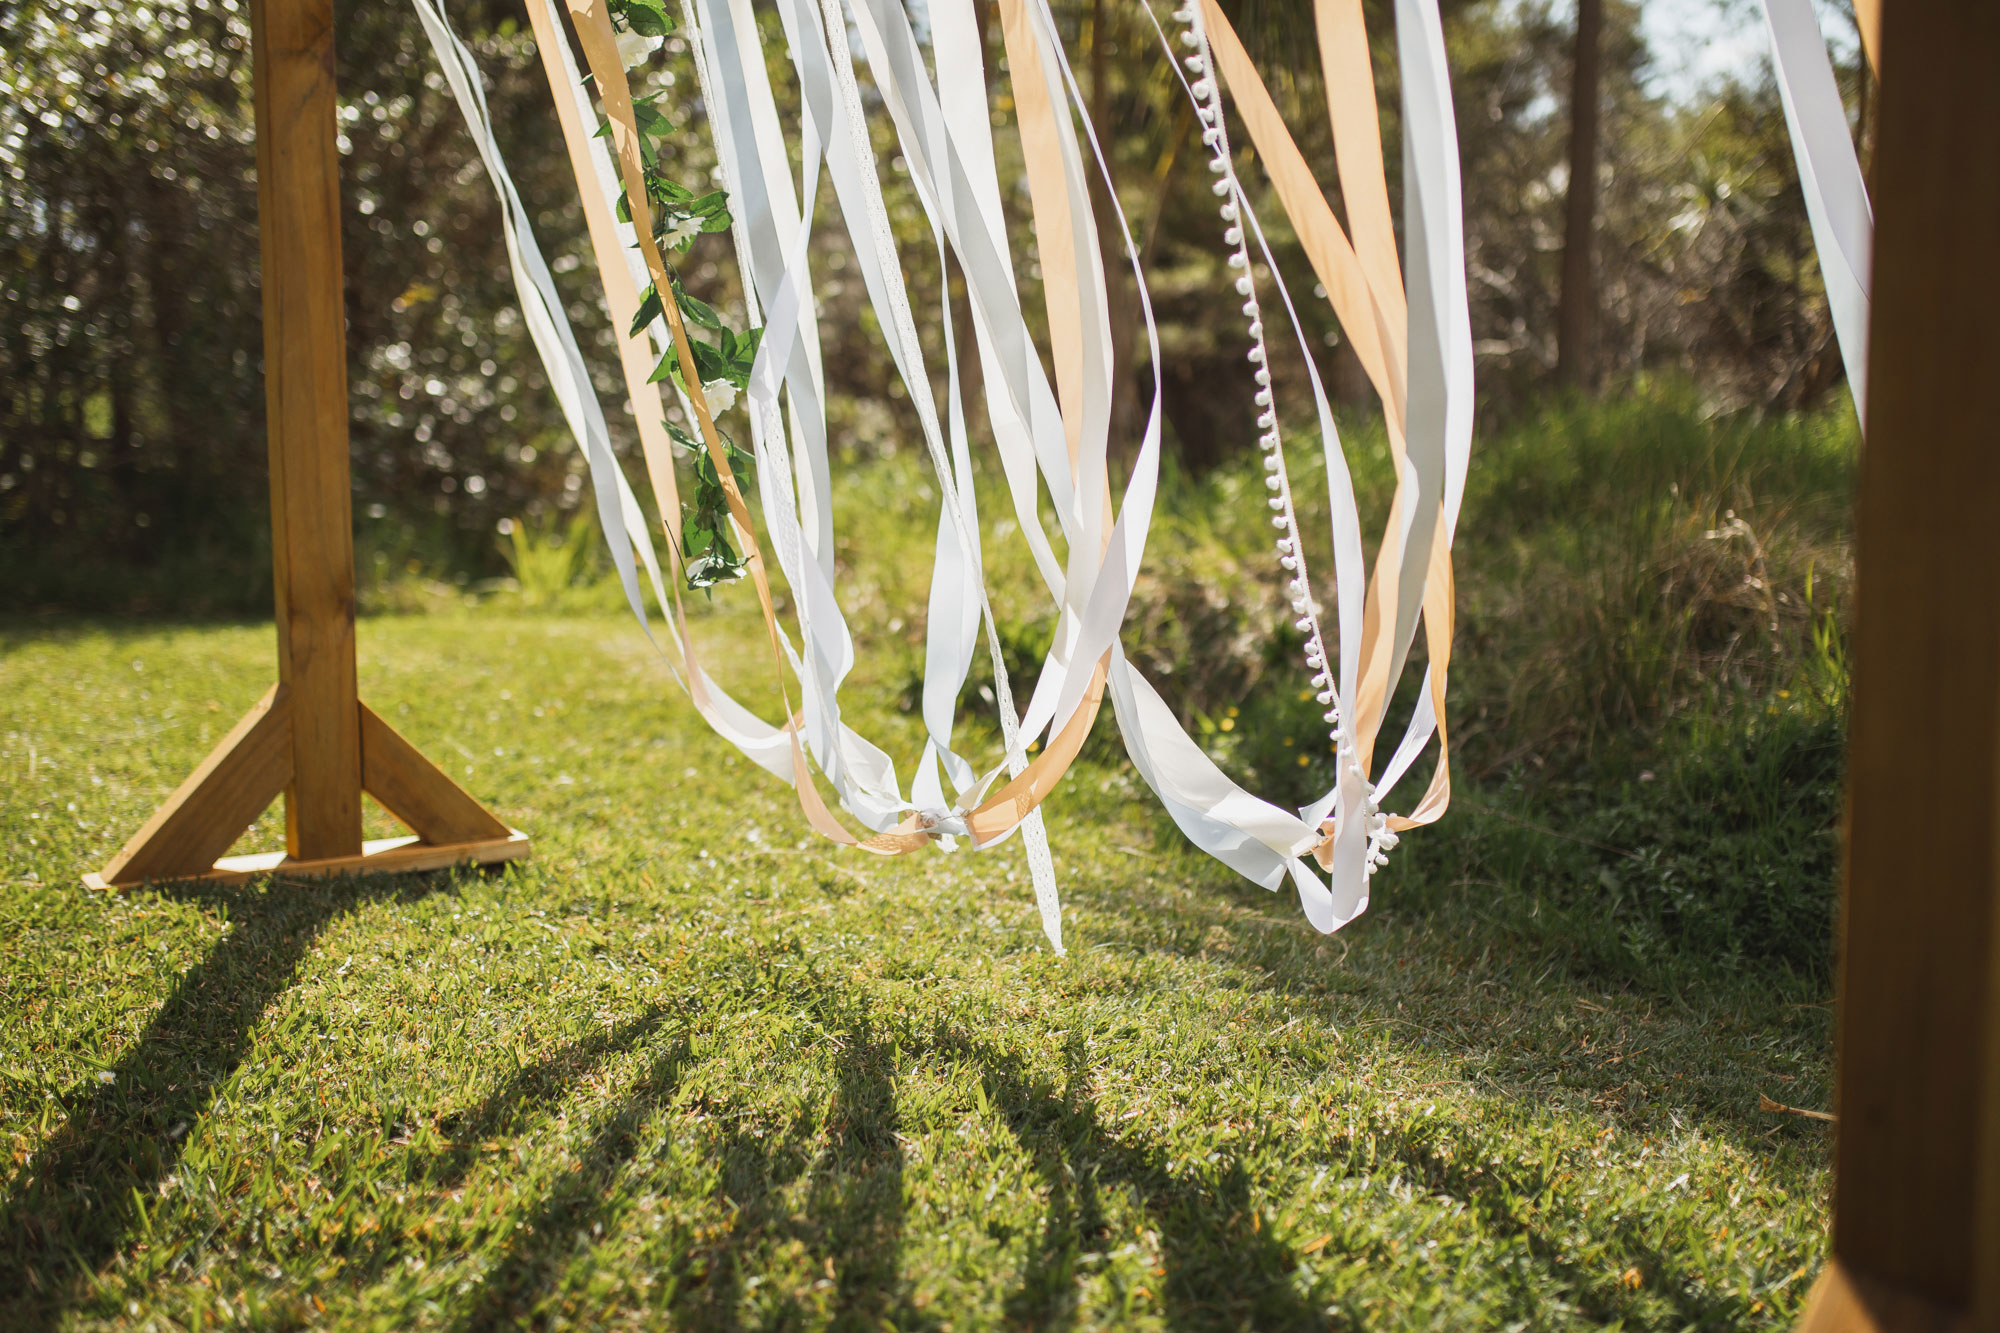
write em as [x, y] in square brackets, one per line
[1050, 424]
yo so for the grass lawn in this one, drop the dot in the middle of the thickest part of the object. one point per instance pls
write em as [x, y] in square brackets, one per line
[689, 1067]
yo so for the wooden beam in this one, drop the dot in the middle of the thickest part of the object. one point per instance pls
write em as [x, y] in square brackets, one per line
[416, 791]
[305, 391]
[1917, 1150]
[241, 776]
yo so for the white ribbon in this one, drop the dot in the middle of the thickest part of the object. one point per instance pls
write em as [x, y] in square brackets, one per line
[1843, 221]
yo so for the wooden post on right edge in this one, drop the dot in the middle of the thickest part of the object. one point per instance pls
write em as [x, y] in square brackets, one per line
[1916, 1225]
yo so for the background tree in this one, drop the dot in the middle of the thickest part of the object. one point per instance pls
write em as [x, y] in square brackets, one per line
[131, 440]
[1576, 314]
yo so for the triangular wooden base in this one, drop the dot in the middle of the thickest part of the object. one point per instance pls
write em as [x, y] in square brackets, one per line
[252, 767]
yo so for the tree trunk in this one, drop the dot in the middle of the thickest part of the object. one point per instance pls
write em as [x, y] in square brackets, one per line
[971, 373]
[1576, 315]
[1121, 299]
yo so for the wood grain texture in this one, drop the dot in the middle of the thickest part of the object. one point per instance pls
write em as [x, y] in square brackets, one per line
[1917, 1192]
[305, 389]
[240, 778]
[416, 791]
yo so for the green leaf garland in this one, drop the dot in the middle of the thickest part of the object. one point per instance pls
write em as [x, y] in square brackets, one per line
[679, 216]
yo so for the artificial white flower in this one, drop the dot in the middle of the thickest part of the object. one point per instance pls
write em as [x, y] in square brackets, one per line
[683, 231]
[721, 396]
[635, 49]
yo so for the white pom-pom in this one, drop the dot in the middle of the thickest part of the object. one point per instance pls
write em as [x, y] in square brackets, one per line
[1232, 236]
[1263, 377]
[1243, 285]
[1263, 397]
[1237, 259]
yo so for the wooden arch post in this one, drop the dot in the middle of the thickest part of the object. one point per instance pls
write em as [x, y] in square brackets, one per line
[310, 738]
[1916, 1209]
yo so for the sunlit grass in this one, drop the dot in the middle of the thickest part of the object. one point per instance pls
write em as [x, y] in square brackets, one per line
[689, 1066]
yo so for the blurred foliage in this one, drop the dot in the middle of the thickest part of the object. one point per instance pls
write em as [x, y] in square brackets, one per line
[132, 471]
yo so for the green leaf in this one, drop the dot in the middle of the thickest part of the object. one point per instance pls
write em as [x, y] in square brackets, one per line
[649, 310]
[709, 362]
[648, 119]
[648, 18]
[682, 438]
[746, 353]
[697, 312]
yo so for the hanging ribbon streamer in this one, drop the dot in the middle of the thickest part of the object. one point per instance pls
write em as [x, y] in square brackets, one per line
[1843, 221]
[1417, 352]
[772, 239]
[1050, 438]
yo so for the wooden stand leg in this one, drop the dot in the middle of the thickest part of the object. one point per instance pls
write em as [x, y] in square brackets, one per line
[220, 799]
[311, 737]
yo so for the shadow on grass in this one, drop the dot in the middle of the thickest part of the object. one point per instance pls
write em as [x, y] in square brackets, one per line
[851, 1213]
[582, 1202]
[835, 1189]
[1223, 1269]
[72, 1207]
[850, 1210]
